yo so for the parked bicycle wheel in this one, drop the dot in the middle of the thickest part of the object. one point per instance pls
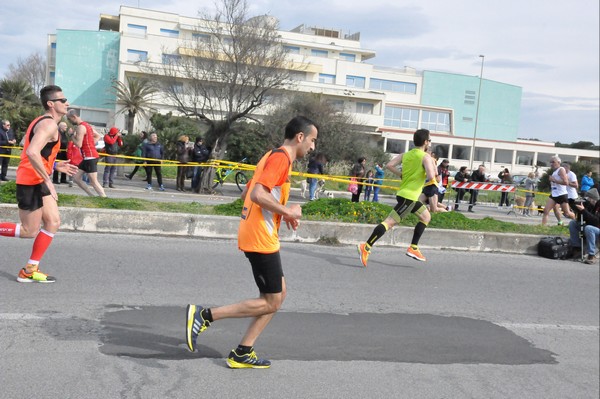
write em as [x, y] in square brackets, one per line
[241, 180]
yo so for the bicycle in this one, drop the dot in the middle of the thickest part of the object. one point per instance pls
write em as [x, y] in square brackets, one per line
[222, 173]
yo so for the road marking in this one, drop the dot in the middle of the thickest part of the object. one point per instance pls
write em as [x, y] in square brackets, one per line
[29, 316]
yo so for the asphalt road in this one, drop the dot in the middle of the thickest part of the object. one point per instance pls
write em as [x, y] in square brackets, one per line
[461, 325]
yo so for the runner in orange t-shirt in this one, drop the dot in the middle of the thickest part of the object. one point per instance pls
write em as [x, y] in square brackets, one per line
[36, 195]
[265, 199]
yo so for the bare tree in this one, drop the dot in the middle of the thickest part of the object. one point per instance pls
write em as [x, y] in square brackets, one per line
[225, 72]
[31, 70]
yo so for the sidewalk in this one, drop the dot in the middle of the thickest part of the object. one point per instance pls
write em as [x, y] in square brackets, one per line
[210, 226]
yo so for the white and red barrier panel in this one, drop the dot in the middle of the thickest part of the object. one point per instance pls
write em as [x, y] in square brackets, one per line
[506, 188]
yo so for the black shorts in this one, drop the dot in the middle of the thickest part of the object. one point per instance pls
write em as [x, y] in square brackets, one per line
[430, 190]
[404, 207]
[561, 199]
[267, 270]
[31, 198]
[89, 165]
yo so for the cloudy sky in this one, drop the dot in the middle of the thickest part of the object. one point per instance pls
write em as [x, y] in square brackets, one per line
[547, 47]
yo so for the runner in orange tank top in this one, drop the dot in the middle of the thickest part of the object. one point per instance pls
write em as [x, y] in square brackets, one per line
[265, 199]
[36, 195]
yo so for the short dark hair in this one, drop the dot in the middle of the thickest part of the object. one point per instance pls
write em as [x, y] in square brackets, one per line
[462, 168]
[199, 139]
[420, 137]
[298, 124]
[46, 93]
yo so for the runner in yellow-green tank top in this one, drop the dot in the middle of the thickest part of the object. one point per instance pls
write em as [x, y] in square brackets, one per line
[416, 168]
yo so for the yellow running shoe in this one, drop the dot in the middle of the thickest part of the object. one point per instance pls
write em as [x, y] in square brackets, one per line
[415, 254]
[363, 252]
[247, 361]
[34, 277]
[195, 324]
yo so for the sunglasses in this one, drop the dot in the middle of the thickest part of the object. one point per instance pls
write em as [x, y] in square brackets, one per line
[62, 100]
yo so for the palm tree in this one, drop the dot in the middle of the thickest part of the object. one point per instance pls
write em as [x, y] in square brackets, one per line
[18, 103]
[134, 97]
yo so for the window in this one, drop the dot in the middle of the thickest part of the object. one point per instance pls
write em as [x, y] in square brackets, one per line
[325, 78]
[169, 33]
[201, 37]
[395, 146]
[136, 30]
[435, 121]
[319, 53]
[364, 108]
[337, 105]
[442, 150]
[461, 152]
[483, 154]
[355, 81]
[348, 57]
[401, 117]
[503, 156]
[177, 88]
[467, 119]
[170, 59]
[524, 158]
[544, 159]
[297, 75]
[390, 85]
[292, 49]
[136, 55]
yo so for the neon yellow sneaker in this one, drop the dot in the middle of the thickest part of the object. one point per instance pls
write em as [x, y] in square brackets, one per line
[195, 324]
[415, 254]
[34, 277]
[246, 361]
[363, 253]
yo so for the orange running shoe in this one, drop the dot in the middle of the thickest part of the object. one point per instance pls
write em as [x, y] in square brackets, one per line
[363, 252]
[415, 254]
[34, 277]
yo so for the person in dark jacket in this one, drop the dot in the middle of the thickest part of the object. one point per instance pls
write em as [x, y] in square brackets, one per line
[478, 176]
[315, 167]
[62, 154]
[200, 154]
[462, 176]
[154, 150]
[7, 139]
[589, 211]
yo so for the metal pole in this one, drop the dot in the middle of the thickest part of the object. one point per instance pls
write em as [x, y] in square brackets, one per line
[477, 113]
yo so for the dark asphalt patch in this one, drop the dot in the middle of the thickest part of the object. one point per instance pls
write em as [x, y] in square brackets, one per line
[159, 333]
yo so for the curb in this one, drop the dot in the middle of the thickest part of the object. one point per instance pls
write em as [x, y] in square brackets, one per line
[210, 226]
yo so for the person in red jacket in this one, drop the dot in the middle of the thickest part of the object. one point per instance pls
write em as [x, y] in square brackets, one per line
[112, 142]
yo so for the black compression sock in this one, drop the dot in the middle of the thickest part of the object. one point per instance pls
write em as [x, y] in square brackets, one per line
[207, 314]
[242, 350]
[419, 229]
[378, 232]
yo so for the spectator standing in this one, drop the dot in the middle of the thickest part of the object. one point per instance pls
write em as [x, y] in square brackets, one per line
[505, 178]
[7, 140]
[379, 174]
[444, 173]
[477, 176]
[200, 154]
[154, 150]
[358, 172]
[590, 211]
[315, 167]
[587, 181]
[184, 155]
[62, 154]
[530, 186]
[369, 188]
[112, 142]
[462, 176]
[86, 138]
[138, 154]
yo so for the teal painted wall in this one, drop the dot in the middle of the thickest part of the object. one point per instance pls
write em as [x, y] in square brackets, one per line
[499, 107]
[86, 63]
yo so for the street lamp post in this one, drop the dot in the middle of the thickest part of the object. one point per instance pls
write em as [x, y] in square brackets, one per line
[477, 112]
